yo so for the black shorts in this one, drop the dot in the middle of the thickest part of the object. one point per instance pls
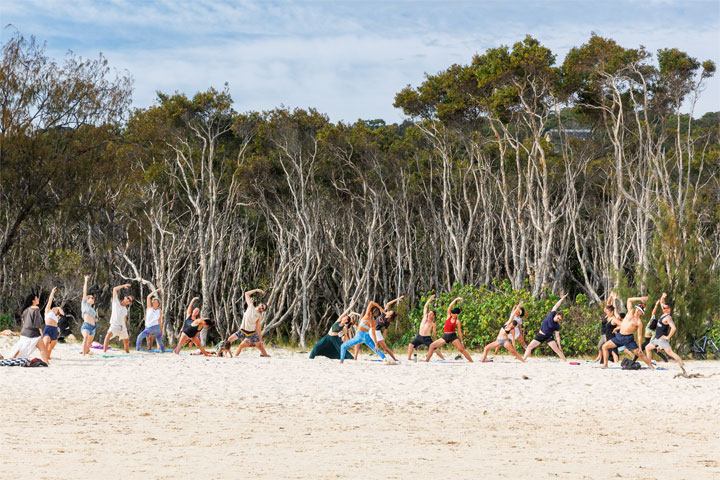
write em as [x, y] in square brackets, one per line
[450, 337]
[421, 340]
[543, 337]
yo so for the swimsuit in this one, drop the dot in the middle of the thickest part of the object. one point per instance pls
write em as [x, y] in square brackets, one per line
[191, 331]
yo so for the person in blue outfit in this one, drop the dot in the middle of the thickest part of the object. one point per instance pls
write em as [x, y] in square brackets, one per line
[549, 332]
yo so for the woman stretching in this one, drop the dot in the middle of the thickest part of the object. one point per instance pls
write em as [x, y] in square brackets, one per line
[329, 345]
[153, 322]
[452, 324]
[506, 336]
[89, 316]
[191, 333]
[382, 322]
[51, 332]
[365, 334]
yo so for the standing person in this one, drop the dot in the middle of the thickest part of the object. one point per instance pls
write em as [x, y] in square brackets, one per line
[382, 322]
[251, 327]
[650, 333]
[118, 319]
[89, 316]
[664, 331]
[506, 336]
[31, 333]
[329, 345]
[550, 325]
[607, 325]
[191, 334]
[153, 322]
[51, 331]
[428, 330]
[625, 336]
[365, 333]
[452, 333]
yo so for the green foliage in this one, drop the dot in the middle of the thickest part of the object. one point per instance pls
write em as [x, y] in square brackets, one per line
[6, 322]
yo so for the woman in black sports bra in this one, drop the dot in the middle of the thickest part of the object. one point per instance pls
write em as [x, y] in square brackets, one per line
[506, 336]
[190, 334]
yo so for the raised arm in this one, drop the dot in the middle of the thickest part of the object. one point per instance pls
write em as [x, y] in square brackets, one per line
[391, 302]
[611, 299]
[249, 294]
[150, 295]
[559, 302]
[87, 277]
[452, 304]
[190, 307]
[427, 305]
[652, 314]
[632, 300]
[48, 307]
[515, 311]
[662, 299]
[368, 310]
[118, 288]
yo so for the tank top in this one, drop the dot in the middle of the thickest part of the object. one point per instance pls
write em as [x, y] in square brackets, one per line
[336, 327]
[249, 319]
[152, 317]
[450, 326]
[662, 328]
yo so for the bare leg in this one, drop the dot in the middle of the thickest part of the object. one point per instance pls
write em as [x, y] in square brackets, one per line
[676, 357]
[607, 346]
[43, 352]
[240, 348]
[107, 341]
[640, 354]
[648, 351]
[487, 349]
[436, 344]
[261, 347]
[552, 344]
[532, 346]
[512, 350]
[411, 347]
[50, 347]
[181, 343]
[126, 342]
[384, 346]
[458, 344]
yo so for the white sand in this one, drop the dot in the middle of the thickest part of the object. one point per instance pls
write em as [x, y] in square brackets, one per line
[163, 416]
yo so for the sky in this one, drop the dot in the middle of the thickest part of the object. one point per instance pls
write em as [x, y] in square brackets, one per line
[347, 59]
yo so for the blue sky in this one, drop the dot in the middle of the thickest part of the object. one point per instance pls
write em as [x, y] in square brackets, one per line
[347, 59]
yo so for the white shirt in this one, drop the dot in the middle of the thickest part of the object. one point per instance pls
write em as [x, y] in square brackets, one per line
[117, 317]
[249, 319]
[51, 316]
[152, 317]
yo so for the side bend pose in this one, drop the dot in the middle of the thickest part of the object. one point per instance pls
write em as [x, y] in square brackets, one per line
[329, 345]
[550, 325]
[191, 334]
[382, 322]
[365, 333]
[51, 331]
[650, 329]
[31, 333]
[506, 336]
[607, 325]
[89, 316]
[250, 332]
[664, 331]
[625, 336]
[153, 322]
[452, 333]
[118, 319]
[428, 330]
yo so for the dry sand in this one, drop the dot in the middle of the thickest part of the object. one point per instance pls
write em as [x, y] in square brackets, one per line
[166, 416]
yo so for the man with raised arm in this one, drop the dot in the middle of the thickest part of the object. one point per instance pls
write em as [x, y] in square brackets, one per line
[625, 336]
[118, 319]
[452, 333]
[428, 329]
[550, 326]
[664, 331]
[250, 332]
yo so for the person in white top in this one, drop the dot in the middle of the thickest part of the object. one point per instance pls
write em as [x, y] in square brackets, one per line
[153, 322]
[507, 334]
[51, 332]
[118, 319]
[89, 316]
[250, 329]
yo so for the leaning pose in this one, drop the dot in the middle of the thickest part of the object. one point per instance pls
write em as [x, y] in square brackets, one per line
[329, 345]
[382, 322]
[506, 336]
[250, 332]
[153, 322]
[31, 333]
[452, 333]
[51, 331]
[650, 333]
[607, 325]
[550, 326]
[428, 329]
[118, 319]
[365, 333]
[191, 334]
[625, 336]
[89, 316]
[664, 331]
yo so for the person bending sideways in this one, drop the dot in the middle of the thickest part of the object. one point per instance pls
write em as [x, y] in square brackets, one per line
[329, 345]
[664, 331]
[650, 334]
[89, 316]
[550, 326]
[625, 336]
[607, 325]
[153, 322]
[452, 333]
[31, 333]
[506, 336]
[250, 332]
[118, 319]
[51, 331]
[382, 322]
[365, 333]
[191, 333]
[428, 330]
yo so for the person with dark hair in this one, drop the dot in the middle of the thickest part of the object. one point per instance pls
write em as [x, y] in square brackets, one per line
[607, 325]
[118, 319]
[31, 333]
[427, 332]
[191, 334]
[153, 322]
[665, 329]
[452, 333]
[192, 313]
[51, 332]
[64, 326]
[329, 345]
[650, 333]
[382, 322]
[251, 327]
[365, 333]
[550, 326]
[506, 336]
[625, 333]
[89, 316]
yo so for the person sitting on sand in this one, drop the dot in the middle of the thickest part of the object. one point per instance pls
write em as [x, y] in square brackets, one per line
[250, 332]
[427, 332]
[382, 322]
[51, 331]
[31, 333]
[118, 319]
[365, 333]
[506, 336]
[664, 331]
[89, 316]
[550, 325]
[452, 333]
[191, 334]
[153, 322]
[607, 325]
[329, 345]
[625, 332]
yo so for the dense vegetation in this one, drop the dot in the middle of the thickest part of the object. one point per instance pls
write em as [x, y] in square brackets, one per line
[579, 177]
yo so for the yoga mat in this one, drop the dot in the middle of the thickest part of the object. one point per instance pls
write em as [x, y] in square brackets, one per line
[126, 355]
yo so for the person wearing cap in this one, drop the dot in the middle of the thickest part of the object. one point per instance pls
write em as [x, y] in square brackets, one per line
[550, 326]
[664, 331]
[508, 333]
[625, 333]
[452, 333]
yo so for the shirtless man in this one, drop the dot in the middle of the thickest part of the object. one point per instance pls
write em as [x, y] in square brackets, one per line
[550, 326]
[664, 331]
[625, 336]
[428, 330]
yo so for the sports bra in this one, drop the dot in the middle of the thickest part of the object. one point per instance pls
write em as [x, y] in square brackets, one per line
[191, 330]
[515, 322]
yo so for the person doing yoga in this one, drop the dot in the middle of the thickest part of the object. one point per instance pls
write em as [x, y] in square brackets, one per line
[382, 322]
[452, 333]
[191, 334]
[664, 330]
[506, 336]
[625, 333]
[153, 322]
[428, 330]
[51, 331]
[89, 316]
[118, 319]
[250, 332]
[329, 345]
[550, 325]
[365, 334]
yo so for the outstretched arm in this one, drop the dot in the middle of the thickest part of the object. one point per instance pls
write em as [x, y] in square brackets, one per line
[652, 314]
[118, 288]
[368, 310]
[611, 299]
[391, 302]
[249, 294]
[452, 304]
[48, 307]
[559, 302]
[515, 311]
[427, 305]
[150, 295]
[87, 277]
[632, 300]
[662, 299]
[190, 307]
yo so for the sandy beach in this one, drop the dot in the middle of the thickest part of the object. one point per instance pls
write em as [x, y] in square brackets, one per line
[287, 417]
